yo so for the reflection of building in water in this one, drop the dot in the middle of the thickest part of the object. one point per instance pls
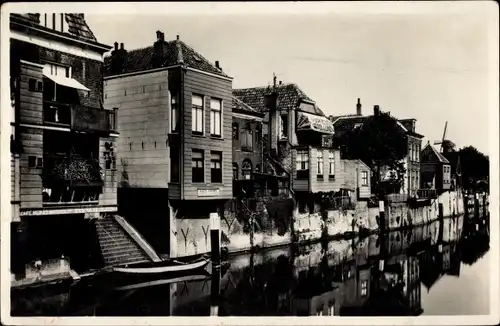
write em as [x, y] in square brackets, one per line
[412, 284]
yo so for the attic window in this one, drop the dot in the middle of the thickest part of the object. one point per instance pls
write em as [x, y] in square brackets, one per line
[196, 58]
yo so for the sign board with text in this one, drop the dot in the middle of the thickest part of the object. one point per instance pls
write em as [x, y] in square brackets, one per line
[208, 192]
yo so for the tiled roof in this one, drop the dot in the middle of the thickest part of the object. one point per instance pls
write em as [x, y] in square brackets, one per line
[347, 122]
[76, 24]
[429, 151]
[288, 97]
[174, 52]
[240, 105]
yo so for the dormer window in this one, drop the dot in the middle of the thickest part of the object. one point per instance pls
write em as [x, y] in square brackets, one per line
[54, 21]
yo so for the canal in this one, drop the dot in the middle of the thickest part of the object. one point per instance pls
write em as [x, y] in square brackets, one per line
[430, 270]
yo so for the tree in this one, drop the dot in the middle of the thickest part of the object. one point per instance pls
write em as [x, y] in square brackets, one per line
[474, 165]
[379, 142]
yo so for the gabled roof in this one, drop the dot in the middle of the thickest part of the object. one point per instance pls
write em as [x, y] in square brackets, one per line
[288, 97]
[429, 152]
[77, 26]
[174, 52]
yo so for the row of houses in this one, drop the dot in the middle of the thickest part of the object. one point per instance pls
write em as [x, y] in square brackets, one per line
[160, 136]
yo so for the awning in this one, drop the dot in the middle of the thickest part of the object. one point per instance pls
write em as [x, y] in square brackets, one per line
[64, 81]
[318, 123]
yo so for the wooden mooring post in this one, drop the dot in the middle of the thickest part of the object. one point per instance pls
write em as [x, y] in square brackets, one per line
[215, 292]
[215, 239]
[485, 210]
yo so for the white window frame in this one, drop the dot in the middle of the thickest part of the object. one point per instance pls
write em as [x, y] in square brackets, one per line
[174, 113]
[364, 288]
[331, 164]
[216, 113]
[196, 125]
[363, 174]
[216, 163]
[320, 163]
[302, 161]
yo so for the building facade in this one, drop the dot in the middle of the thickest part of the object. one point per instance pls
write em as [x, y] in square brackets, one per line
[294, 130]
[411, 182]
[62, 144]
[435, 169]
[175, 155]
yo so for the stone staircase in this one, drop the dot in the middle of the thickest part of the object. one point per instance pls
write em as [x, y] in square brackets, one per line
[117, 247]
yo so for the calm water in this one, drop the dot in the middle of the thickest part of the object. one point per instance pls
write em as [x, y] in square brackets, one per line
[438, 269]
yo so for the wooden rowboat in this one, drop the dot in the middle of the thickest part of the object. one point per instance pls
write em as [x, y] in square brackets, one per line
[170, 266]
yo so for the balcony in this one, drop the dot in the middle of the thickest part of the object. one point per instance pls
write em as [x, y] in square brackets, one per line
[79, 117]
[71, 180]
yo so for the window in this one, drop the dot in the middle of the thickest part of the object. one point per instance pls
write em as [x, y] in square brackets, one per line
[364, 288]
[247, 140]
[216, 167]
[283, 126]
[235, 131]
[198, 166]
[32, 161]
[246, 169]
[319, 157]
[364, 178]
[32, 84]
[331, 164]
[197, 115]
[302, 165]
[57, 70]
[215, 117]
[174, 164]
[235, 171]
[174, 113]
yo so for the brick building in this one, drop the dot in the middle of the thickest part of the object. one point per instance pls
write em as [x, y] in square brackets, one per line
[62, 145]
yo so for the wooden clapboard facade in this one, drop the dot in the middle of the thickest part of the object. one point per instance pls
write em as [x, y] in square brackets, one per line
[175, 142]
[62, 139]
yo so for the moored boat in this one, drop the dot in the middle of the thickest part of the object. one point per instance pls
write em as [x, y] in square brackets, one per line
[165, 267]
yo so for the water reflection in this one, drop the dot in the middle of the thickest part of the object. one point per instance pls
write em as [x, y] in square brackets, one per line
[370, 276]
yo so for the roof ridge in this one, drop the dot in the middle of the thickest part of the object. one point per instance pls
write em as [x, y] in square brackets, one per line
[181, 42]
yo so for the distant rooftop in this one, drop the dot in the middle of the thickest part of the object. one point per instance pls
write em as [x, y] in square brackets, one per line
[288, 97]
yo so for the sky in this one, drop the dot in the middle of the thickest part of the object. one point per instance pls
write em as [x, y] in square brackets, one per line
[433, 68]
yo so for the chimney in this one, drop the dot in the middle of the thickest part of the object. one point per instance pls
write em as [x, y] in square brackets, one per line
[118, 56]
[271, 103]
[358, 107]
[158, 46]
[160, 37]
[177, 37]
[274, 80]
[376, 110]
[217, 65]
[280, 82]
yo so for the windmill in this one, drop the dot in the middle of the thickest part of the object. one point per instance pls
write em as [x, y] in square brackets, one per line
[447, 146]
